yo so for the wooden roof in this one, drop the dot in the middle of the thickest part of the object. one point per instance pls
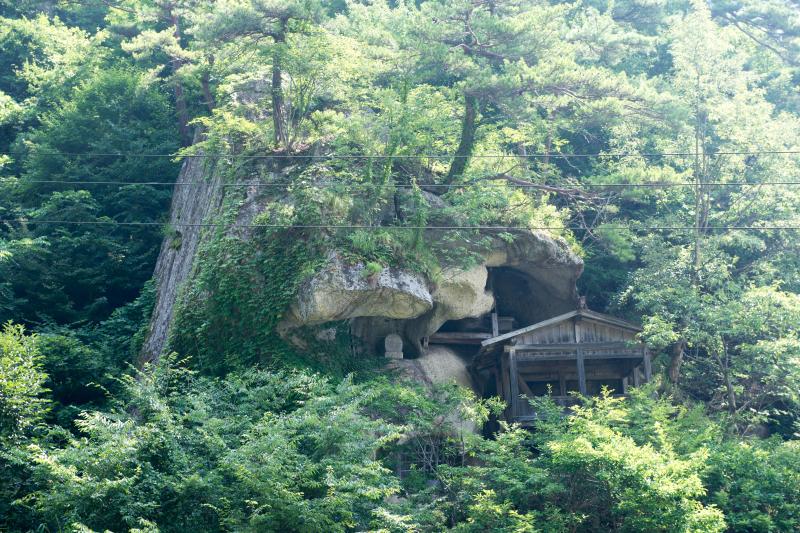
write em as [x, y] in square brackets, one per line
[582, 313]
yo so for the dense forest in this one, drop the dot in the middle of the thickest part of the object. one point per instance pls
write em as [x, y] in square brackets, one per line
[656, 140]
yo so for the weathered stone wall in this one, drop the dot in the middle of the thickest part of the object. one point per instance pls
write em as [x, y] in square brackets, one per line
[198, 194]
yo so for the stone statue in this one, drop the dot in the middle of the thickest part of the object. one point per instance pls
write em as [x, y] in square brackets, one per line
[394, 346]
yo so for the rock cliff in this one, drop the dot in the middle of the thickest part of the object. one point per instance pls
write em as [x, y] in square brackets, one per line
[531, 276]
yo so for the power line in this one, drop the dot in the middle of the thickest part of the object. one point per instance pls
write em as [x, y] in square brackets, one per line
[494, 183]
[366, 226]
[539, 155]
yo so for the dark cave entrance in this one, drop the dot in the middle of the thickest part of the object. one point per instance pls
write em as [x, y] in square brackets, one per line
[520, 300]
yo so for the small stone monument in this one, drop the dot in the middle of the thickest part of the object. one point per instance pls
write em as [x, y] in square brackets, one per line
[394, 346]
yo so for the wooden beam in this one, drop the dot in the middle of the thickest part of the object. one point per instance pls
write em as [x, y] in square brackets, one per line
[648, 367]
[512, 363]
[529, 357]
[608, 319]
[637, 347]
[579, 359]
[498, 381]
[504, 375]
[548, 322]
[591, 315]
[457, 337]
[539, 376]
[525, 389]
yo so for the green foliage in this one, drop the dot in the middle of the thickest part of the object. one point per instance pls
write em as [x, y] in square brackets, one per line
[627, 485]
[83, 364]
[511, 87]
[277, 451]
[68, 272]
[755, 483]
[293, 451]
[227, 317]
[22, 383]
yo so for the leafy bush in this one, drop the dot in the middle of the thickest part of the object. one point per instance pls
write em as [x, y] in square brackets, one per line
[293, 451]
[277, 451]
[757, 484]
[22, 379]
[22, 411]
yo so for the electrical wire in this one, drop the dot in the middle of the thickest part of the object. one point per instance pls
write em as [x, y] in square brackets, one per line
[366, 226]
[405, 156]
[495, 183]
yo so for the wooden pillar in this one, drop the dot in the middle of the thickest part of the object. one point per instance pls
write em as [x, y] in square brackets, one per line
[504, 374]
[498, 379]
[636, 378]
[581, 372]
[648, 367]
[579, 357]
[495, 324]
[512, 363]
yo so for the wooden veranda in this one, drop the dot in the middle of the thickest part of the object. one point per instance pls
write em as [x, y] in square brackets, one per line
[580, 351]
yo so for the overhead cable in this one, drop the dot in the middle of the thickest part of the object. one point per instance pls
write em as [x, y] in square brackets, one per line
[371, 227]
[279, 156]
[492, 183]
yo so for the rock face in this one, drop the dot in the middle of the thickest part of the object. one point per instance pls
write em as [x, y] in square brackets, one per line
[348, 291]
[438, 364]
[531, 276]
[192, 201]
[460, 294]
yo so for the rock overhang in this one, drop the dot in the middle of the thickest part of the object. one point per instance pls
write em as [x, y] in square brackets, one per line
[411, 305]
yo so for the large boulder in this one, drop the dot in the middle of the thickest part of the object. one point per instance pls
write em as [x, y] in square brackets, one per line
[343, 291]
[438, 364]
[460, 294]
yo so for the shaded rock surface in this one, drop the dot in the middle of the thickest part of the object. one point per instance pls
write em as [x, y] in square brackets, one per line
[343, 291]
[531, 276]
[193, 200]
[439, 364]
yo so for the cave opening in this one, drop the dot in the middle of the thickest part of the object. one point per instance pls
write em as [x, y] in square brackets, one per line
[518, 303]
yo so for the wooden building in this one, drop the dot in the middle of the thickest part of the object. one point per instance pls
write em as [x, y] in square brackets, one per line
[581, 351]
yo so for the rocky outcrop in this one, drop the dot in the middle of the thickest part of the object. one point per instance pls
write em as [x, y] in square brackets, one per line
[438, 364]
[547, 260]
[460, 294]
[531, 276]
[193, 199]
[534, 278]
[343, 291]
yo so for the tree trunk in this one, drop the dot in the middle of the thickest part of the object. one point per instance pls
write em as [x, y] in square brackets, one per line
[205, 84]
[726, 376]
[209, 98]
[183, 112]
[676, 361]
[467, 142]
[278, 119]
[181, 107]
